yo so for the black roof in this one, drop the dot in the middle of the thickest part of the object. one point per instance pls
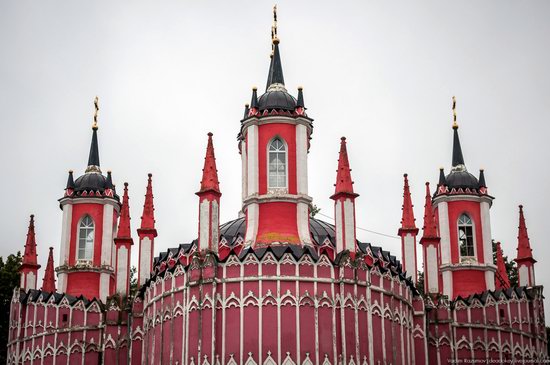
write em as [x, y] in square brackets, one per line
[461, 179]
[277, 99]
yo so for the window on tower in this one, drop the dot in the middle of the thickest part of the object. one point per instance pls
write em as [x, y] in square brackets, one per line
[86, 239]
[277, 165]
[466, 237]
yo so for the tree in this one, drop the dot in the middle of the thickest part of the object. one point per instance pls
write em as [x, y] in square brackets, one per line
[314, 210]
[420, 282]
[511, 268]
[9, 279]
[133, 281]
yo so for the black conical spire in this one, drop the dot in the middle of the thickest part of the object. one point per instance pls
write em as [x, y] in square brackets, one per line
[458, 158]
[70, 181]
[93, 159]
[275, 75]
[442, 179]
[482, 183]
[300, 102]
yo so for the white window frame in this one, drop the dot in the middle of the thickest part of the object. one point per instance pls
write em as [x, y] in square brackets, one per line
[85, 260]
[277, 189]
[474, 243]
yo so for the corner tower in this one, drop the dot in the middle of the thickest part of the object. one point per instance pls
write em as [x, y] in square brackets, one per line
[274, 144]
[461, 206]
[90, 211]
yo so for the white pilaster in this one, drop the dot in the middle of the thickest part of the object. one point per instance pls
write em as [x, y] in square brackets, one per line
[107, 238]
[244, 162]
[65, 234]
[349, 224]
[444, 232]
[103, 286]
[252, 216]
[303, 222]
[523, 275]
[145, 252]
[431, 269]
[204, 224]
[409, 256]
[301, 159]
[338, 226]
[122, 270]
[486, 233]
[447, 283]
[252, 168]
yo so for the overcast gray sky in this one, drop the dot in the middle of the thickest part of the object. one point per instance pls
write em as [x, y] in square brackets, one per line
[381, 73]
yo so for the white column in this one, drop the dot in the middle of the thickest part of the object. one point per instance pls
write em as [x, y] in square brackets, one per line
[65, 234]
[410, 257]
[215, 217]
[301, 159]
[444, 233]
[349, 224]
[303, 222]
[103, 286]
[107, 238]
[431, 269]
[252, 168]
[244, 163]
[204, 224]
[252, 216]
[338, 219]
[122, 270]
[145, 248]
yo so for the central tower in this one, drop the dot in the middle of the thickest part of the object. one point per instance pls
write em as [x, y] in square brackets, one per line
[274, 143]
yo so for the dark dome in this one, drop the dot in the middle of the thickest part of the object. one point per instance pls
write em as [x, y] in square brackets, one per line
[462, 179]
[91, 181]
[277, 99]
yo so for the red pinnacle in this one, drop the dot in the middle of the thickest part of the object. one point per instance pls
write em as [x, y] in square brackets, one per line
[209, 180]
[29, 258]
[124, 230]
[524, 248]
[407, 220]
[344, 184]
[430, 229]
[502, 280]
[148, 217]
[48, 282]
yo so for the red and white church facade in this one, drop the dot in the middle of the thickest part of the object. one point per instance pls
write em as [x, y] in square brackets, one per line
[276, 285]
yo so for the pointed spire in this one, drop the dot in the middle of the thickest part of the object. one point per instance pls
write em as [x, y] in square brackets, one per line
[442, 178]
[524, 248]
[48, 282]
[246, 110]
[30, 257]
[344, 184]
[148, 217]
[482, 183]
[407, 220]
[501, 280]
[124, 230]
[109, 181]
[209, 180]
[300, 102]
[430, 228]
[70, 180]
[458, 158]
[275, 75]
[93, 159]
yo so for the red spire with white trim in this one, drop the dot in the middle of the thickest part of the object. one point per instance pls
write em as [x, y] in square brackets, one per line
[148, 217]
[48, 282]
[524, 248]
[430, 228]
[124, 231]
[501, 278]
[344, 183]
[407, 219]
[210, 180]
[30, 257]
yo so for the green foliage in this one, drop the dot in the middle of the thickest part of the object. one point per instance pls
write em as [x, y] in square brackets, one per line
[133, 281]
[9, 279]
[511, 268]
[314, 210]
[420, 283]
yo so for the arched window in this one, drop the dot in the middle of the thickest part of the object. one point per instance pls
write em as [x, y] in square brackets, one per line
[277, 164]
[86, 239]
[466, 236]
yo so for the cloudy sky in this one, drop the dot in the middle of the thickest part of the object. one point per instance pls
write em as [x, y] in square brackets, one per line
[381, 73]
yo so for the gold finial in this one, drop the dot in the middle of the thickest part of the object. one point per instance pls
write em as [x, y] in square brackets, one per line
[455, 124]
[96, 106]
[274, 37]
